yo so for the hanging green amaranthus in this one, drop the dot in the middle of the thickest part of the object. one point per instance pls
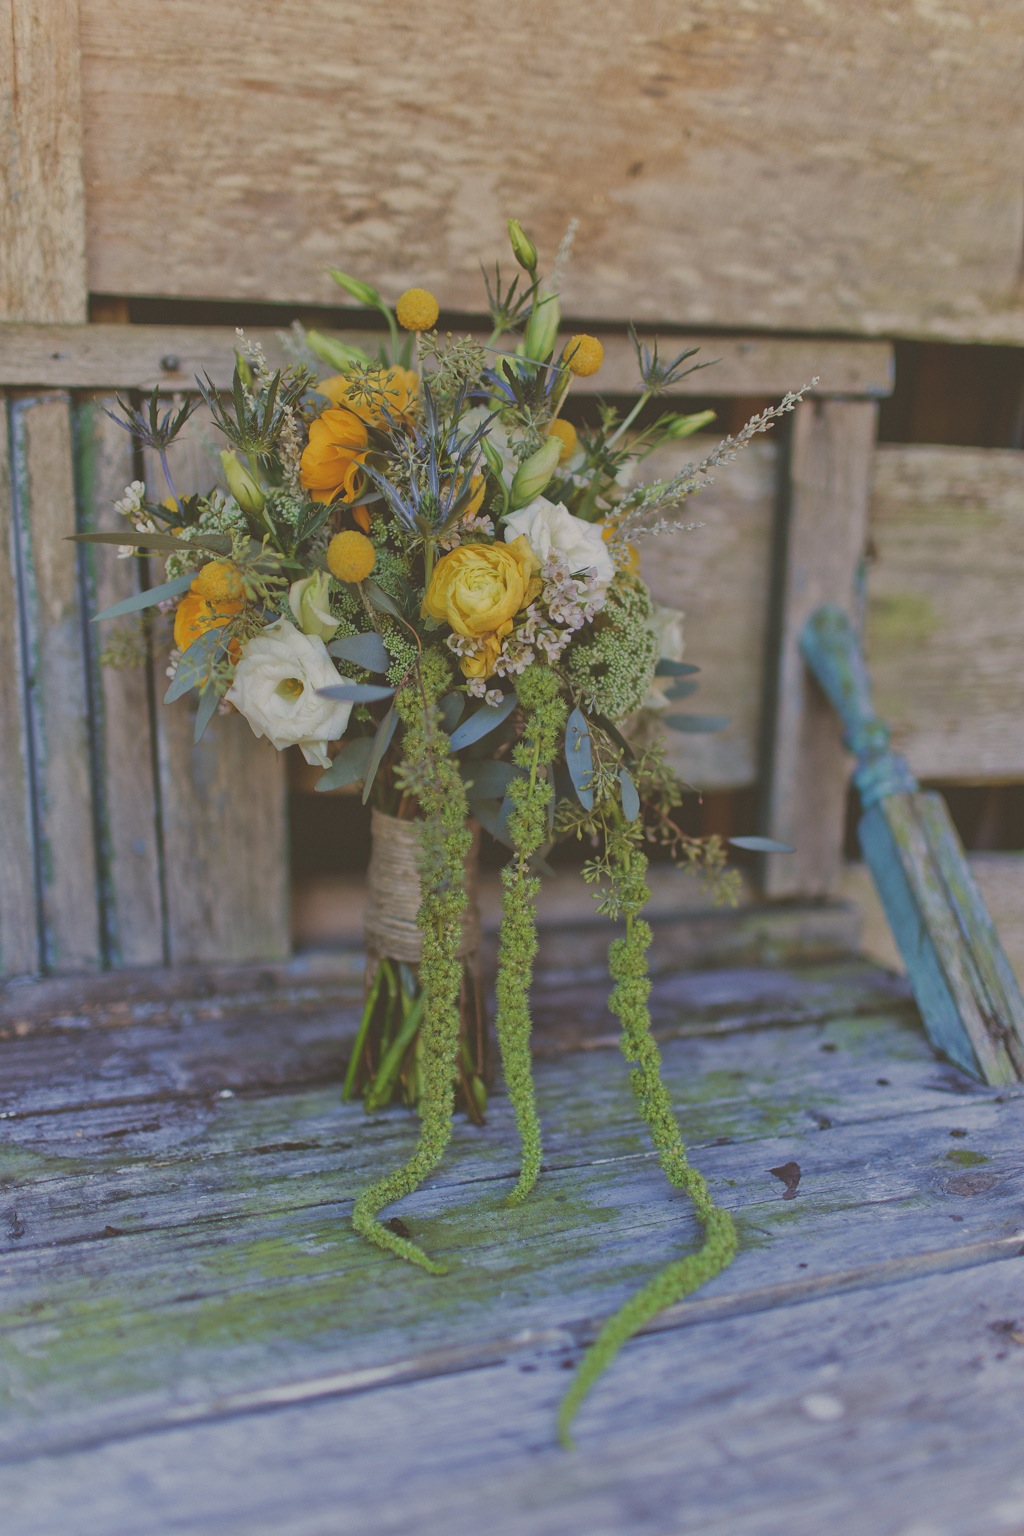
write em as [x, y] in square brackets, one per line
[627, 864]
[431, 774]
[544, 713]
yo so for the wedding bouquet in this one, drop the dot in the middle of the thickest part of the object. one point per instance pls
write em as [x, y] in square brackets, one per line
[420, 573]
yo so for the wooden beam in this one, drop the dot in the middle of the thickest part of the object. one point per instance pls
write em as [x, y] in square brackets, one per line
[42, 193]
[823, 525]
[170, 356]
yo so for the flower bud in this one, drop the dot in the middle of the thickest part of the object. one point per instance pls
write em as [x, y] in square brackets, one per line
[684, 426]
[335, 352]
[542, 327]
[244, 487]
[362, 292]
[243, 369]
[309, 601]
[494, 461]
[534, 473]
[523, 248]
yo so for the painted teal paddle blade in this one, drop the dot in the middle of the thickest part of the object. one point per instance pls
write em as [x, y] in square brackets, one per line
[969, 998]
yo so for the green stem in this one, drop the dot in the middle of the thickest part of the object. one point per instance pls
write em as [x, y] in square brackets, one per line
[359, 1043]
[628, 966]
[627, 421]
[379, 1091]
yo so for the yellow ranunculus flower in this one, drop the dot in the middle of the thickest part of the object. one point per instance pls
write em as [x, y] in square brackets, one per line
[479, 587]
[398, 386]
[332, 458]
[482, 664]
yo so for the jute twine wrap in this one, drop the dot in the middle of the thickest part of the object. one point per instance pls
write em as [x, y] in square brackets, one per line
[393, 892]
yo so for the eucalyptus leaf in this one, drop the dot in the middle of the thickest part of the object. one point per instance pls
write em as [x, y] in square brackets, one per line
[380, 599]
[218, 542]
[367, 651]
[451, 707]
[695, 725]
[682, 688]
[481, 722]
[356, 693]
[761, 845]
[630, 797]
[148, 598]
[208, 701]
[667, 668]
[580, 758]
[493, 817]
[381, 742]
[349, 766]
[194, 667]
[488, 780]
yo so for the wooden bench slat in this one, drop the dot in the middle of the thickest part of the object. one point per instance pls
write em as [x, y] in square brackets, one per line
[19, 936]
[170, 356]
[121, 722]
[44, 501]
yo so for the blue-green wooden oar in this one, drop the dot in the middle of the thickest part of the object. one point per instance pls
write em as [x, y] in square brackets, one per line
[967, 993]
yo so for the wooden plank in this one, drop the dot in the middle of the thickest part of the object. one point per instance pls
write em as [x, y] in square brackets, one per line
[104, 356]
[718, 575]
[121, 713]
[838, 1415]
[855, 169]
[223, 801]
[19, 935]
[44, 504]
[823, 525]
[945, 627]
[42, 239]
[1000, 878]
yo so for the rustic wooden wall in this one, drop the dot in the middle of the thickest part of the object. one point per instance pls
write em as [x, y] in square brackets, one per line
[750, 163]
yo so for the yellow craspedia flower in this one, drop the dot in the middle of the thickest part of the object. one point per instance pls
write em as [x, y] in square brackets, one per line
[583, 355]
[417, 310]
[350, 556]
[392, 388]
[566, 434]
[477, 588]
[220, 579]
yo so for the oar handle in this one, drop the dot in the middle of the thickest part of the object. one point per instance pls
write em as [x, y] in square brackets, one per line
[830, 648]
[831, 651]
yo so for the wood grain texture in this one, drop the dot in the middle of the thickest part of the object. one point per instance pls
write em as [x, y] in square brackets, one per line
[99, 356]
[44, 502]
[819, 547]
[19, 937]
[121, 722]
[719, 576]
[223, 801]
[183, 1300]
[42, 194]
[944, 631]
[817, 168]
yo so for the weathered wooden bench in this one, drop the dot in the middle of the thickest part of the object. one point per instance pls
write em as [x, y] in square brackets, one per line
[191, 1338]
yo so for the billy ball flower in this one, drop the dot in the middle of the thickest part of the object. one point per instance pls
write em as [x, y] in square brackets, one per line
[219, 580]
[583, 355]
[567, 437]
[351, 556]
[417, 310]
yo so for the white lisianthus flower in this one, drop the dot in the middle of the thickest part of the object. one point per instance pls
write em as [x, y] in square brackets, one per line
[275, 688]
[550, 529]
[666, 625]
[310, 603]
